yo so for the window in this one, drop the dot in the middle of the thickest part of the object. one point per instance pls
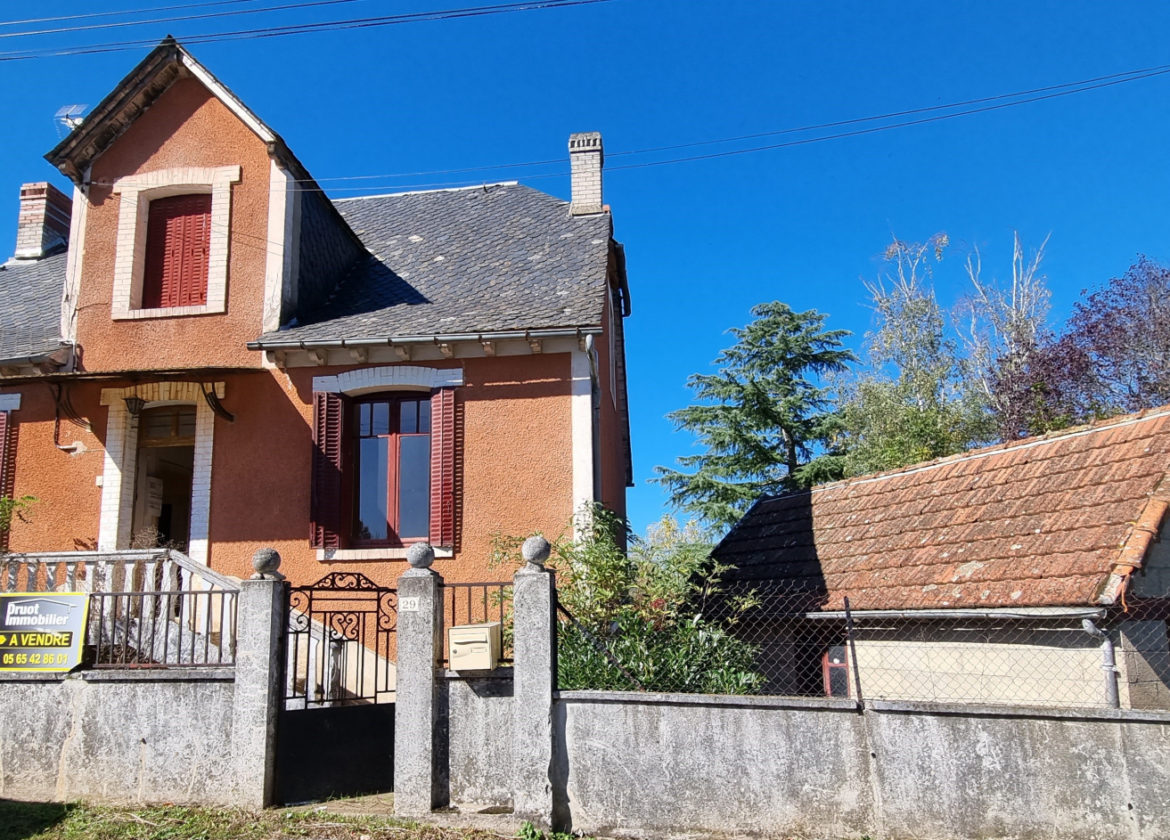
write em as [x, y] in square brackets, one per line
[173, 242]
[835, 667]
[178, 242]
[7, 456]
[392, 470]
[383, 469]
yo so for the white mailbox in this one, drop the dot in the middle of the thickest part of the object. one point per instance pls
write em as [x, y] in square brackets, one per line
[474, 647]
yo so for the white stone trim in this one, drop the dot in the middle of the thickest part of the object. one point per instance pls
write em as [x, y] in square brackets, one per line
[281, 254]
[339, 555]
[121, 462]
[9, 402]
[77, 222]
[396, 378]
[137, 191]
[582, 430]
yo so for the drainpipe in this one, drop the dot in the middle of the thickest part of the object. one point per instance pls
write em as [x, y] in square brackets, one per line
[1109, 662]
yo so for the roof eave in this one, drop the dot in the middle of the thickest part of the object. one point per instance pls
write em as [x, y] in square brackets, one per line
[431, 338]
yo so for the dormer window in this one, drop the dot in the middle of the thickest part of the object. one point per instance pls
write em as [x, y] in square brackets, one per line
[178, 241]
[173, 237]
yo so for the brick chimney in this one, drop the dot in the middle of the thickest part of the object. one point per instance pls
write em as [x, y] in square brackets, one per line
[44, 220]
[586, 159]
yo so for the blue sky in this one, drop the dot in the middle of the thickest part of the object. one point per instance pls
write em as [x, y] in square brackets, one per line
[705, 239]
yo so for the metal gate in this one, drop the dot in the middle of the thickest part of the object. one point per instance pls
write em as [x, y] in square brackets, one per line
[335, 731]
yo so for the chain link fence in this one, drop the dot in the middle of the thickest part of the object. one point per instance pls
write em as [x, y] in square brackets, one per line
[757, 638]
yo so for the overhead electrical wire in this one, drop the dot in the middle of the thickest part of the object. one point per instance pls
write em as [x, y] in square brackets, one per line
[177, 18]
[116, 12]
[304, 28]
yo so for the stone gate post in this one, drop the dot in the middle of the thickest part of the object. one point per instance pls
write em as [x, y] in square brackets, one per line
[534, 679]
[418, 782]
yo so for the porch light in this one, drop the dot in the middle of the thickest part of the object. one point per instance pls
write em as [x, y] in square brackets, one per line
[134, 405]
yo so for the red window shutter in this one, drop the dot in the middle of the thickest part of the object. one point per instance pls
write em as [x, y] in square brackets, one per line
[178, 240]
[443, 468]
[6, 471]
[326, 524]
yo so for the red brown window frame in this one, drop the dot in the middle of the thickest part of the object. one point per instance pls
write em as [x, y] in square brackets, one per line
[394, 437]
[7, 457]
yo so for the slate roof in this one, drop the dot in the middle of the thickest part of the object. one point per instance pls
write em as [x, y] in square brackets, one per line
[30, 318]
[1053, 521]
[454, 262]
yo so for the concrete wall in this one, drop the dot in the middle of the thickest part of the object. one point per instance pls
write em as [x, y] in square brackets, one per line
[107, 737]
[479, 721]
[671, 764]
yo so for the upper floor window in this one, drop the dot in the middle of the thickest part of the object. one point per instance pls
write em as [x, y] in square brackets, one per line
[173, 240]
[178, 241]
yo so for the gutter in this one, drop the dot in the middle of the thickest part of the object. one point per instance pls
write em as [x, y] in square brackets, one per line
[434, 338]
[1035, 613]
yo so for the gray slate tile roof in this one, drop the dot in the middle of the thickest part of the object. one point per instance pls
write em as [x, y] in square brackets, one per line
[30, 316]
[504, 257]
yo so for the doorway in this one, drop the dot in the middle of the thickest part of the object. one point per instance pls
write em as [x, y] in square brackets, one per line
[163, 480]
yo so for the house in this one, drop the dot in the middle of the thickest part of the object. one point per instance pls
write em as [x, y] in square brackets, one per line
[199, 349]
[1012, 574]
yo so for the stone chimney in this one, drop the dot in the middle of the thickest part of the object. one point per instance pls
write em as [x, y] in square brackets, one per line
[43, 222]
[586, 159]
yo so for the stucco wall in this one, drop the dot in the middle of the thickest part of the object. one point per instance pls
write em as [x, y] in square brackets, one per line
[185, 127]
[126, 741]
[637, 764]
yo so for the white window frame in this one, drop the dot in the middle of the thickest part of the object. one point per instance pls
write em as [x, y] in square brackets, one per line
[137, 191]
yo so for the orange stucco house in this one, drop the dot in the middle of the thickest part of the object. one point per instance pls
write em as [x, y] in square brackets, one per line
[200, 349]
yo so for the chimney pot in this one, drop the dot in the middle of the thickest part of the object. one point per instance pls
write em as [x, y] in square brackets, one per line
[44, 220]
[586, 159]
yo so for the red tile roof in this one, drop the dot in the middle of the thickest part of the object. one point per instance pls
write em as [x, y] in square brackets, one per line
[1054, 521]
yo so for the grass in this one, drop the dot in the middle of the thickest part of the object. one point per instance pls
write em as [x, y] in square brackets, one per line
[46, 821]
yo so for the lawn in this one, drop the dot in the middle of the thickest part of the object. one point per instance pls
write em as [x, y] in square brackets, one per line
[47, 821]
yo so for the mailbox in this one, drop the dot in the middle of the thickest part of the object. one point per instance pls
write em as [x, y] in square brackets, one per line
[474, 647]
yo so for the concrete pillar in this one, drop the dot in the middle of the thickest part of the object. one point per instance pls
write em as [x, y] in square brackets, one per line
[534, 679]
[260, 622]
[418, 743]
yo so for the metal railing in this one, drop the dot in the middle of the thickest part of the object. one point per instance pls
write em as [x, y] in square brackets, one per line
[148, 607]
[478, 603]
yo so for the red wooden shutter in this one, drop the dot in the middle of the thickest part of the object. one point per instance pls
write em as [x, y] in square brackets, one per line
[326, 525]
[178, 239]
[443, 468]
[6, 458]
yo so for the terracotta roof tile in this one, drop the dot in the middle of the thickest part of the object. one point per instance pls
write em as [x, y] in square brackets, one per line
[1039, 522]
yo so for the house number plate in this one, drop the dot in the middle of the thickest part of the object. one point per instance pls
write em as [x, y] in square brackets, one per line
[408, 604]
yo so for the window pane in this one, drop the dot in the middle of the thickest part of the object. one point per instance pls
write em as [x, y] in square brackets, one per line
[381, 418]
[414, 486]
[424, 416]
[408, 417]
[364, 419]
[371, 507]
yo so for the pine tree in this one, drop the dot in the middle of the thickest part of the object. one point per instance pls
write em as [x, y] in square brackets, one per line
[762, 418]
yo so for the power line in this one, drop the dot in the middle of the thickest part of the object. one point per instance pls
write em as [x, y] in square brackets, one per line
[304, 28]
[88, 15]
[175, 18]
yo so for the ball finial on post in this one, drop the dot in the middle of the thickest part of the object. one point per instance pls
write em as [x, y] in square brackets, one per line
[420, 556]
[535, 552]
[266, 562]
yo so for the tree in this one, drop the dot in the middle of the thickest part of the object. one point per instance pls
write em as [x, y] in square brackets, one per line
[1114, 353]
[1005, 337]
[909, 406]
[762, 418]
[656, 619]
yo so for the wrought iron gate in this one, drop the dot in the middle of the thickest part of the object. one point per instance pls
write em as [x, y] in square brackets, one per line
[335, 733]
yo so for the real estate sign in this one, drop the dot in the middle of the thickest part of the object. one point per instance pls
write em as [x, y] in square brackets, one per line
[42, 631]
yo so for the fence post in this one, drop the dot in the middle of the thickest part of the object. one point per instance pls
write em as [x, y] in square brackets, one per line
[534, 678]
[260, 622]
[418, 786]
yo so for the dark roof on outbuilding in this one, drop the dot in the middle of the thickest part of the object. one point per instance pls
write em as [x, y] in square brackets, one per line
[30, 317]
[1055, 521]
[497, 258]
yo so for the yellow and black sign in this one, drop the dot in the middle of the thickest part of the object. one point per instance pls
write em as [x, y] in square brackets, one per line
[42, 631]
